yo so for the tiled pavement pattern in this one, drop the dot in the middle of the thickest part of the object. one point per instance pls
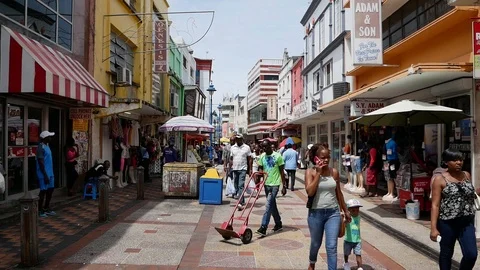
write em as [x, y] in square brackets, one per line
[180, 234]
[70, 224]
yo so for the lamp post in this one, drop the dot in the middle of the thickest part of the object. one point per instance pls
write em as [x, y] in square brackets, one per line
[220, 121]
[211, 89]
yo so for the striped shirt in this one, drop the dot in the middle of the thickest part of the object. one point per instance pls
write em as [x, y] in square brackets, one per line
[240, 157]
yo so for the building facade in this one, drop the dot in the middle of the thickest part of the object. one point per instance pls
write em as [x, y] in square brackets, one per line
[45, 84]
[203, 79]
[262, 84]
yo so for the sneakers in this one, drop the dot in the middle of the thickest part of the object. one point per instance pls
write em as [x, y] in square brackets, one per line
[42, 214]
[278, 228]
[240, 207]
[262, 231]
[359, 268]
[50, 213]
[346, 266]
[388, 197]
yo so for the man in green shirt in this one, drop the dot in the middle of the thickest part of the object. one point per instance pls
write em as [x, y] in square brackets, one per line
[353, 240]
[272, 163]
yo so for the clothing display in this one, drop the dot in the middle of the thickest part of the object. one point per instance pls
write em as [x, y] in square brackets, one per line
[135, 136]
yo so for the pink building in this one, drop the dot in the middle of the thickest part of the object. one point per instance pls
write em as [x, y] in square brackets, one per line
[297, 82]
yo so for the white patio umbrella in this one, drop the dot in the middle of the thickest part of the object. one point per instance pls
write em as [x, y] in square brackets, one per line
[411, 113]
[186, 123]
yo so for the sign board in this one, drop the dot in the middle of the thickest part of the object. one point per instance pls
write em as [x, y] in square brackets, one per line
[367, 42]
[361, 107]
[272, 108]
[80, 124]
[80, 113]
[161, 52]
[299, 110]
[476, 49]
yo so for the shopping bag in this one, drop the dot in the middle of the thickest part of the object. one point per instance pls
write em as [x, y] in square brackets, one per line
[251, 187]
[230, 187]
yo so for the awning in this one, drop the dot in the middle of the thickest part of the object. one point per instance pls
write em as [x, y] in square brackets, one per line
[27, 66]
[400, 85]
[279, 125]
[135, 109]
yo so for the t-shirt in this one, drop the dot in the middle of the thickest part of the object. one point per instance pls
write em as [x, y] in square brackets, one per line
[290, 157]
[44, 152]
[352, 230]
[170, 154]
[391, 147]
[271, 165]
[95, 172]
[240, 155]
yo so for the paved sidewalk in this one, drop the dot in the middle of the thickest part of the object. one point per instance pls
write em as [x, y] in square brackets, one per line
[71, 223]
[180, 234]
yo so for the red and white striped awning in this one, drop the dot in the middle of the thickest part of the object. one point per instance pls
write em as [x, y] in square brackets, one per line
[278, 125]
[27, 66]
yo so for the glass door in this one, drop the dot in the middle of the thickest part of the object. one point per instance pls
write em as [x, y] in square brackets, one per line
[55, 125]
[16, 149]
[2, 144]
[34, 127]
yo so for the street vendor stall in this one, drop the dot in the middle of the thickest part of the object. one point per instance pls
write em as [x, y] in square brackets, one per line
[181, 179]
[413, 175]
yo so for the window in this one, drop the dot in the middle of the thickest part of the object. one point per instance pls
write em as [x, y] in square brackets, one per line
[312, 37]
[51, 19]
[411, 17]
[184, 62]
[270, 77]
[338, 18]
[192, 73]
[323, 133]
[318, 81]
[311, 134]
[121, 54]
[328, 74]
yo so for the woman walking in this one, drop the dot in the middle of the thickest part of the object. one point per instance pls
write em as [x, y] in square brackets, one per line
[323, 188]
[71, 154]
[453, 212]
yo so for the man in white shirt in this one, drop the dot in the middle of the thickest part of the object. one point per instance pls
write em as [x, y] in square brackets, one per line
[241, 164]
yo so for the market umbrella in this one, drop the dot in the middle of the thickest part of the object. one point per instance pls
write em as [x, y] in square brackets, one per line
[224, 140]
[290, 140]
[186, 123]
[411, 113]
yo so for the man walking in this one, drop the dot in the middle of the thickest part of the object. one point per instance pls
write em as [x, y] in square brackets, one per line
[272, 163]
[290, 158]
[240, 157]
[45, 176]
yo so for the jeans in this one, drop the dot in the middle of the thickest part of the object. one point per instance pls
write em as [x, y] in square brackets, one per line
[239, 183]
[463, 230]
[320, 220]
[291, 176]
[271, 206]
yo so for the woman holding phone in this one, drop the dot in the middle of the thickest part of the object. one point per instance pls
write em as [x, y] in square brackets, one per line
[322, 184]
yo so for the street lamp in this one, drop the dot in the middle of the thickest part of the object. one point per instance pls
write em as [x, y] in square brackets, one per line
[220, 121]
[211, 89]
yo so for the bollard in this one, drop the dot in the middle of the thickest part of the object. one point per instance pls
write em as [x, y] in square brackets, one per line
[103, 208]
[140, 183]
[29, 229]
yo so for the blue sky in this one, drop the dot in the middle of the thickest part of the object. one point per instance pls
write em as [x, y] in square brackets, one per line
[243, 31]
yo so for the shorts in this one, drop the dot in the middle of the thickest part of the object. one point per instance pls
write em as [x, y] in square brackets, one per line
[358, 165]
[43, 186]
[349, 246]
[393, 166]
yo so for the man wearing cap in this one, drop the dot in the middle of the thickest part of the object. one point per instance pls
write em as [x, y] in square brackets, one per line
[241, 160]
[46, 179]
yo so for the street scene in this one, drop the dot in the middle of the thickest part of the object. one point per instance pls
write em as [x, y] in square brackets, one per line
[218, 134]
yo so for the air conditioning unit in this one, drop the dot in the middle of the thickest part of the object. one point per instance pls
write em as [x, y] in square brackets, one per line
[174, 100]
[340, 89]
[124, 76]
[463, 2]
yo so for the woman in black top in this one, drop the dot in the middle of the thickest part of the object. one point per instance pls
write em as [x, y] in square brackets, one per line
[453, 212]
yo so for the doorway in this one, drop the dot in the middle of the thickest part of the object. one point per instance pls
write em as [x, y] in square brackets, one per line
[55, 125]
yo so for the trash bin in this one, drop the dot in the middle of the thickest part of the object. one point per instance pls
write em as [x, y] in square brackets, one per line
[412, 210]
[211, 188]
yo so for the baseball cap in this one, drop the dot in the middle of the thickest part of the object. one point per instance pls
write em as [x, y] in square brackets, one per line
[46, 133]
[353, 203]
[309, 146]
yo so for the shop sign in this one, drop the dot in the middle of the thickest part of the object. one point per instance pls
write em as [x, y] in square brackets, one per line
[360, 108]
[80, 113]
[367, 32]
[161, 51]
[80, 125]
[299, 110]
[476, 49]
[272, 108]
[14, 152]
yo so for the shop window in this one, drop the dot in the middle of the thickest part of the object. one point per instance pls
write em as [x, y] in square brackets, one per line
[34, 125]
[311, 134]
[16, 135]
[15, 125]
[336, 126]
[323, 133]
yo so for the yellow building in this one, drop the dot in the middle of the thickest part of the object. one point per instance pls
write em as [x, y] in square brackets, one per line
[123, 59]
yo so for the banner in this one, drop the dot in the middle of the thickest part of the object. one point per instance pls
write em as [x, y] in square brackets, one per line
[362, 107]
[476, 50]
[272, 108]
[367, 42]
[161, 50]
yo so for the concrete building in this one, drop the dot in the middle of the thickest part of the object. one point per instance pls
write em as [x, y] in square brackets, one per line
[231, 117]
[203, 78]
[327, 24]
[241, 119]
[262, 84]
[297, 88]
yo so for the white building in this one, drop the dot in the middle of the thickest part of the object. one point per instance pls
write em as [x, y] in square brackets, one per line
[284, 94]
[262, 97]
[327, 50]
[230, 106]
[241, 118]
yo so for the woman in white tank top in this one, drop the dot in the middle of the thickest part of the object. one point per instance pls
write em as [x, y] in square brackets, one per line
[325, 198]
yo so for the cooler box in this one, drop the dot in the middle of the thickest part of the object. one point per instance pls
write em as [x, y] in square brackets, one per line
[211, 188]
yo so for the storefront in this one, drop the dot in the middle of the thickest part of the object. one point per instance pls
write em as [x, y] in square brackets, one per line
[38, 87]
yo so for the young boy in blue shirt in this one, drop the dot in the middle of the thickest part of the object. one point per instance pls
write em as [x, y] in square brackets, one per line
[353, 240]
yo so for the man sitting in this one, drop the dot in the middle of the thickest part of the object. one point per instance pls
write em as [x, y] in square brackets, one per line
[97, 171]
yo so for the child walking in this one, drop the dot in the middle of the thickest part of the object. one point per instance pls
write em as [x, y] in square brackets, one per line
[352, 240]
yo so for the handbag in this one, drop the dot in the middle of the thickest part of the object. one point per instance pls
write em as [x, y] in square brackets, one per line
[477, 202]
